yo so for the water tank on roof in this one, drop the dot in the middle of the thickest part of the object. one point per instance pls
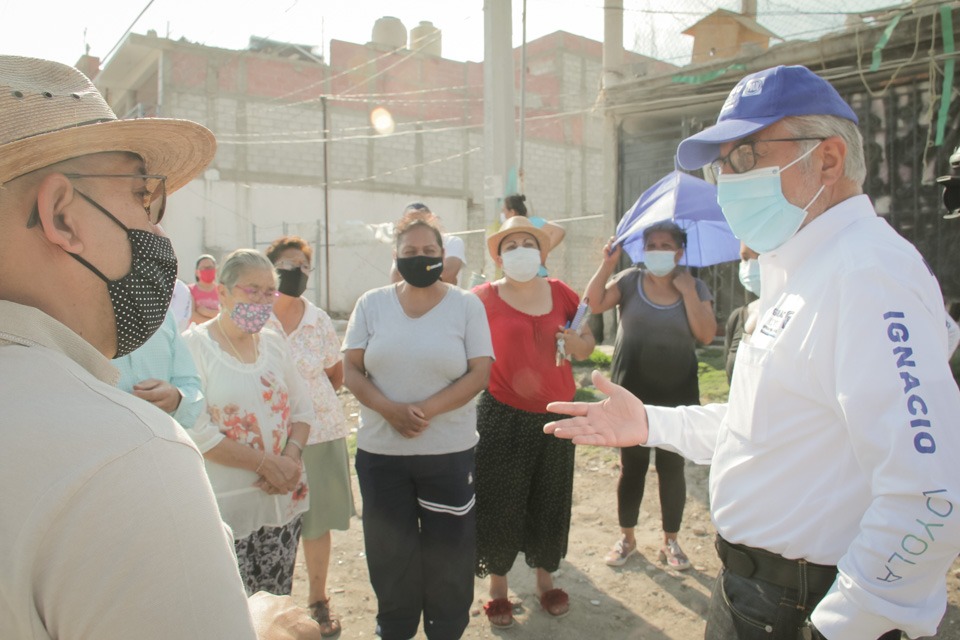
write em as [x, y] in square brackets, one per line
[390, 32]
[425, 38]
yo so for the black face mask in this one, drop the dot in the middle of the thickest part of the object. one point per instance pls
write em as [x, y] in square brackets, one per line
[140, 299]
[293, 282]
[420, 271]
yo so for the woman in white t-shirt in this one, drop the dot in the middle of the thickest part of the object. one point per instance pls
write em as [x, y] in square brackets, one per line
[416, 355]
[256, 423]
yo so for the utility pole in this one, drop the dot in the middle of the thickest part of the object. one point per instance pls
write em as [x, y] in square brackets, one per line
[499, 126]
[612, 75]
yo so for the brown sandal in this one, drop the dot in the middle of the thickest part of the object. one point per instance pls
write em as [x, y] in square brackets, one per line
[329, 623]
[556, 602]
[500, 608]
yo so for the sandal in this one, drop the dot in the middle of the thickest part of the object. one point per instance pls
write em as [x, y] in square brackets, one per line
[673, 556]
[556, 602]
[329, 623]
[502, 610]
[620, 552]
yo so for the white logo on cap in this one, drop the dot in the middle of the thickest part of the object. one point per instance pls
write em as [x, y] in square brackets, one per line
[732, 99]
[753, 87]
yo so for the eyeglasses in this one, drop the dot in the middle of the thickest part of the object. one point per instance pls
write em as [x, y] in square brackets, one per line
[284, 265]
[744, 156]
[256, 293]
[153, 192]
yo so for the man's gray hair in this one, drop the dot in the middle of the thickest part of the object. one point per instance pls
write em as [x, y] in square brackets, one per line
[854, 167]
[240, 261]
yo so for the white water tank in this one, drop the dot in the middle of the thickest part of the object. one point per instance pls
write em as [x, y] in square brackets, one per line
[389, 32]
[425, 38]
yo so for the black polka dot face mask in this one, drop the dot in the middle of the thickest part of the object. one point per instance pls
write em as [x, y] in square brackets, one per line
[140, 298]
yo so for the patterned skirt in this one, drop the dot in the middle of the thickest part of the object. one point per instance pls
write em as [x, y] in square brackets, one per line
[524, 489]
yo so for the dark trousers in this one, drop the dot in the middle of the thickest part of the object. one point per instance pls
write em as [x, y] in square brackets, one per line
[419, 531]
[634, 462]
[753, 609]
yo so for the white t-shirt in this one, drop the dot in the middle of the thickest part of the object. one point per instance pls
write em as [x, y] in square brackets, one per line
[839, 442]
[108, 524]
[453, 247]
[253, 404]
[181, 305]
[410, 359]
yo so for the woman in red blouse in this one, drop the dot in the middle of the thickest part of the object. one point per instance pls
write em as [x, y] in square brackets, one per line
[524, 477]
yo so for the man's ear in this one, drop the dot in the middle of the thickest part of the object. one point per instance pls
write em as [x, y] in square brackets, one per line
[60, 226]
[833, 153]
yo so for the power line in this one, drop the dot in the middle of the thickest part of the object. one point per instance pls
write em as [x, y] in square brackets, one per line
[135, 20]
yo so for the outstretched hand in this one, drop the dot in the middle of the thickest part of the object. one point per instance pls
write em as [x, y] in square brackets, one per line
[618, 421]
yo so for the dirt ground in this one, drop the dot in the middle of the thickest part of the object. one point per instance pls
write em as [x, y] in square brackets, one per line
[639, 601]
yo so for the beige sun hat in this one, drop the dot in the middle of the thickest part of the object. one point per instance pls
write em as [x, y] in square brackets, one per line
[50, 112]
[514, 225]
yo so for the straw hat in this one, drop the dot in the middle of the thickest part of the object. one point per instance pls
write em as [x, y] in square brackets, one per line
[515, 225]
[50, 112]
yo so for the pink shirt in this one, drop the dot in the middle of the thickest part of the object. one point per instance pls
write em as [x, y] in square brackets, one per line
[205, 299]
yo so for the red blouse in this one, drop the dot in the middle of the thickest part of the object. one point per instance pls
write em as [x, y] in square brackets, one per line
[525, 374]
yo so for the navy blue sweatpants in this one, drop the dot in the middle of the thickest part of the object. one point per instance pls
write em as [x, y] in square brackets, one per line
[419, 530]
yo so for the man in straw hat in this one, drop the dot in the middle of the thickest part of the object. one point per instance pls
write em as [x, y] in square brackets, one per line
[108, 523]
[833, 480]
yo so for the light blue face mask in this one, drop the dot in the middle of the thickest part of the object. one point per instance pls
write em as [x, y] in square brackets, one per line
[660, 263]
[756, 209]
[750, 276]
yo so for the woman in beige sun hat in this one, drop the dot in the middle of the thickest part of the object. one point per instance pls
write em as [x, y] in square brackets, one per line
[524, 480]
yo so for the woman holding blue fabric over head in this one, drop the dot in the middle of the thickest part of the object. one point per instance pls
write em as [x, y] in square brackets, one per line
[524, 480]
[664, 312]
[416, 353]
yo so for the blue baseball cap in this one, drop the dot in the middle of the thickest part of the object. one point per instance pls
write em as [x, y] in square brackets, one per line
[759, 100]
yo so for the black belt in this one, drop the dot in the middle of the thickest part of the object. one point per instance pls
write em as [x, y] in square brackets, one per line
[791, 574]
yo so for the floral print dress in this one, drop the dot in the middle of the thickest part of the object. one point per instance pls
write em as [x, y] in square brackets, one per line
[315, 349]
[253, 404]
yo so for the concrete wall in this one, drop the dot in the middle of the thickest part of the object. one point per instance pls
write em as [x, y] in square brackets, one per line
[219, 216]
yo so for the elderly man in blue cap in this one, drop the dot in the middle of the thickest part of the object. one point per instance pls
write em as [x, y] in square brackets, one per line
[833, 478]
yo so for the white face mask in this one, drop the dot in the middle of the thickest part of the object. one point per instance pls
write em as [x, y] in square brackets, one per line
[660, 263]
[521, 264]
[750, 276]
[503, 217]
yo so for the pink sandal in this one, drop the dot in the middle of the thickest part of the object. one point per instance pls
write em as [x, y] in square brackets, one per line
[502, 609]
[556, 602]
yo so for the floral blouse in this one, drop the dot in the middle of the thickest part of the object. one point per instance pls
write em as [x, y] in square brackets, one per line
[253, 404]
[315, 348]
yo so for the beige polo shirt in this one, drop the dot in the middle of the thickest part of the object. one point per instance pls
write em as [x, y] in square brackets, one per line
[108, 525]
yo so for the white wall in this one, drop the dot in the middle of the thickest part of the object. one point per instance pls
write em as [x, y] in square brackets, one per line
[213, 216]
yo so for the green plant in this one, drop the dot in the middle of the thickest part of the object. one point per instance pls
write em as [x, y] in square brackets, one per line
[713, 375]
[352, 444]
[598, 360]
